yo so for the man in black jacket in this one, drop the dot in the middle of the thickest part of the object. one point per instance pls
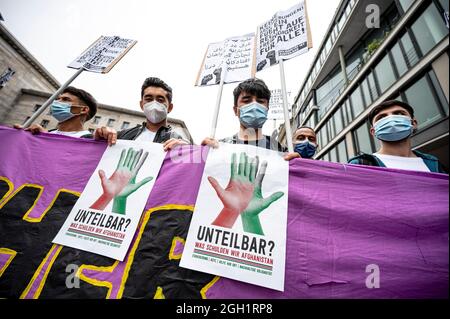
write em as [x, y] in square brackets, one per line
[156, 102]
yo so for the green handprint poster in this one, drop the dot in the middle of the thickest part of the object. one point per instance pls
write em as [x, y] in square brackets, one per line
[105, 217]
[238, 229]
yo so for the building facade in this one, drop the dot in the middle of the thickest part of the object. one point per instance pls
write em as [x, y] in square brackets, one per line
[30, 85]
[361, 63]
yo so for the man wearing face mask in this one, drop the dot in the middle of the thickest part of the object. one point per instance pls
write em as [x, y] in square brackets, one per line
[251, 105]
[156, 102]
[71, 109]
[305, 142]
[393, 123]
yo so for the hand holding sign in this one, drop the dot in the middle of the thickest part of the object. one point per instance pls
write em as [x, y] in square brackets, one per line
[122, 182]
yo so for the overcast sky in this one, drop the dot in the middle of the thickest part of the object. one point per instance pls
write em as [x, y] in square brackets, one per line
[172, 38]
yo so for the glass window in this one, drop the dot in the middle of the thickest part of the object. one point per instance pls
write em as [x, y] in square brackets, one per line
[333, 155]
[357, 102]
[366, 91]
[97, 119]
[28, 117]
[438, 89]
[406, 4]
[338, 121]
[421, 98]
[342, 152]
[36, 107]
[363, 139]
[347, 113]
[125, 125]
[444, 4]
[411, 55]
[385, 73]
[44, 123]
[429, 29]
[328, 46]
[399, 59]
[111, 122]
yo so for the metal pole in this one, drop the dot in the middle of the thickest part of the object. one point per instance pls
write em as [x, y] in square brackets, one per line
[218, 100]
[51, 98]
[287, 121]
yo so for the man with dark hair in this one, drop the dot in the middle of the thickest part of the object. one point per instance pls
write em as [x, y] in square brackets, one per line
[392, 122]
[251, 105]
[156, 102]
[71, 109]
[305, 142]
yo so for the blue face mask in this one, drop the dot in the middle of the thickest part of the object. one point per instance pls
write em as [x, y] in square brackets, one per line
[61, 111]
[393, 128]
[306, 149]
[253, 115]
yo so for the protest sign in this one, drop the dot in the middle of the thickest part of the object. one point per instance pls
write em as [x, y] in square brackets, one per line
[276, 105]
[284, 36]
[103, 54]
[105, 218]
[239, 231]
[231, 59]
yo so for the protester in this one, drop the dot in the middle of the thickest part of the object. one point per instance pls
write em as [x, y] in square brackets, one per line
[305, 142]
[393, 122]
[156, 103]
[72, 109]
[251, 105]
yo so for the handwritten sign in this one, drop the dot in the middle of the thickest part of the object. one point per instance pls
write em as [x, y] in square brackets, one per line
[103, 54]
[232, 58]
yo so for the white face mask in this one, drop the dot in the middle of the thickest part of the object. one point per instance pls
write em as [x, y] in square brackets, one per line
[155, 112]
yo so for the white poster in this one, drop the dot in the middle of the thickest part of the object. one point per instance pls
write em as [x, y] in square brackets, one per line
[284, 36]
[238, 228]
[103, 54]
[232, 58]
[105, 217]
[276, 111]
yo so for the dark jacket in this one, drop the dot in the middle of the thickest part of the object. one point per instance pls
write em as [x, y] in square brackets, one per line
[430, 161]
[266, 142]
[163, 134]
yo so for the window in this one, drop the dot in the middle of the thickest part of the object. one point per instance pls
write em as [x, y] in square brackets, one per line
[410, 51]
[28, 117]
[36, 107]
[330, 129]
[111, 122]
[406, 4]
[125, 125]
[357, 102]
[44, 123]
[385, 73]
[421, 98]
[338, 121]
[97, 119]
[429, 29]
[366, 91]
[438, 88]
[363, 139]
[333, 155]
[347, 112]
[342, 152]
[399, 59]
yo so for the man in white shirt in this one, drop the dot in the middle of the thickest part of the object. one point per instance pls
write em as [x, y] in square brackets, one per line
[393, 123]
[156, 103]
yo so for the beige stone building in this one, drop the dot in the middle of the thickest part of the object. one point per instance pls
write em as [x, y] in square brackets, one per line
[31, 85]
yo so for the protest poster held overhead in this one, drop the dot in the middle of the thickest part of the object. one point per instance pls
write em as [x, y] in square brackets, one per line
[231, 59]
[238, 229]
[105, 217]
[284, 36]
[100, 57]
[103, 54]
[276, 105]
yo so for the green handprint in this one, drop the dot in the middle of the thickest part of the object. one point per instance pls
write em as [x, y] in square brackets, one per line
[132, 163]
[243, 195]
[250, 216]
[122, 182]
